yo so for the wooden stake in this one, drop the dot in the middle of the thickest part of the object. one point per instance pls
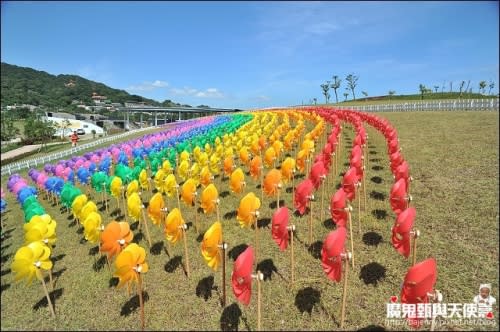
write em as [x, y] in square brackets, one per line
[256, 214]
[260, 277]
[359, 207]
[105, 197]
[185, 249]
[416, 234]
[145, 225]
[141, 301]
[224, 247]
[311, 220]
[322, 198]
[344, 292]
[51, 280]
[292, 229]
[51, 307]
[278, 198]
[349, 209]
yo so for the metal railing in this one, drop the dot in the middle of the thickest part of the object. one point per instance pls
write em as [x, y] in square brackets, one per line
[34, 162]
[431, 105]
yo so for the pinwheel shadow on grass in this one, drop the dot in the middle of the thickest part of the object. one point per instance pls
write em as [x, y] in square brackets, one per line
[5, 272]
[372, 273]
[263, 222]
[205, 287]
[224, 194]
[230, 318]
[379, 214]
[372, 239]
[273, 205]
[377, 168]
[231, 215]
[173, 264]
[376, 179]
[235, 251]
[133, 304]
[54, 295]
[377, 195]
[315, 249]
[268, 268]
[157, 248]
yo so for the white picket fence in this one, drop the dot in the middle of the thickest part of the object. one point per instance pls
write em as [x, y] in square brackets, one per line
[40, 161]
[432, 105]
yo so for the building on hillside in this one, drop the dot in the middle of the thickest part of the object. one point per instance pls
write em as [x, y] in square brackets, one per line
[98, 99]
[66, 126]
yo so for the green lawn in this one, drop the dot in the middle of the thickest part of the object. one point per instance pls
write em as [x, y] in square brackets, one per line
[454, 160]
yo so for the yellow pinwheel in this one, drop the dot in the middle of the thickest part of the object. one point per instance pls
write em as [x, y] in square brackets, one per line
[278, 147]
[77, 205]
[287, 168]
[40, 231]
[166, 167]
[194, 173]
[247, 211]
[308, 146]
[92, 227]
[188, 192]
[116, 187]
[159, 180]
[197, 153]
[170, 185]
[156, 209]
[28, 261]
[208, 149]
[214, 164]
[183, 169]
[184, 156]
[269, 157]
[134, 205]
[129, 263]
[144, 180]
[87, 209]
[173, 225]
[133, 187]
[210, 249]
[237, 181]
[209, 198]
[301, 160]
[203, 159]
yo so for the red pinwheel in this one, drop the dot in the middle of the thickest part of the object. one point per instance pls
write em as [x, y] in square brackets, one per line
[357, 162]
[401, 231]
[403, 172]
[302, 195]
[331, 254]
[418, 286]
[242, 276]
[399, 200]
[396, 160]
[280, 227]
[318, 172]
[338, 207]
[349, 183]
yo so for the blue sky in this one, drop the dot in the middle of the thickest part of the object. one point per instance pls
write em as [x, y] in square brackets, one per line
[256, 54]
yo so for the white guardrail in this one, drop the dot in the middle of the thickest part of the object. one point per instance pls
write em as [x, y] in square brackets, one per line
[18, 166]
[432, 105]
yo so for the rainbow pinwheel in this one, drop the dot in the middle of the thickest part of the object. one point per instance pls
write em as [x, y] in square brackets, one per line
[173, 225]
[247, 211]
[156, 209]
[92, 227]
[210, 249]
[28, 261]
[129, 263]
[115, 237]
[237, 181]
[209, 198]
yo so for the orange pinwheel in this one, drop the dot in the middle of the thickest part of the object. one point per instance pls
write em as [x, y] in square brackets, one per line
[278, 147]
[287, 168]
[205, 176]
[301, 160]
[129, 263]
[134, 205]
[188, 192]
[173, 231]
[228, 165]
[237, 181]
[144, 180]
[247, 211]
[255, 167]
[209, 198]
[156, 209]
[269, 157]
[244, 155]
[92, 227]
[115, 237]
[77, 205]
[272, 182]
[210, 249]
[255, 147]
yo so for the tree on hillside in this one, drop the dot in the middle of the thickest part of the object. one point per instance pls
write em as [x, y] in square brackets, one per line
[8, 130]
[467, 87]
[391, 93]
[39, 130]
[352, 82]
[461, 87]
[64, 126]
[442, 89]
[315, 100]
[436, 87]
[365, 94]
[451, 86]
[345, 95]
[482, 86]
[423, 90]
[491, 86]
[325, 87]
[335, 85]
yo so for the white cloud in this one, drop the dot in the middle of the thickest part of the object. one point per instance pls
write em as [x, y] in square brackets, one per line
[188, 91]
[148, 86]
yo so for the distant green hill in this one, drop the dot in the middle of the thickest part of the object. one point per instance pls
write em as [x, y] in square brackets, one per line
[22, 85]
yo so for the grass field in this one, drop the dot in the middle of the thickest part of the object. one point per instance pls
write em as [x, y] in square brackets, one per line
[454, 160]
